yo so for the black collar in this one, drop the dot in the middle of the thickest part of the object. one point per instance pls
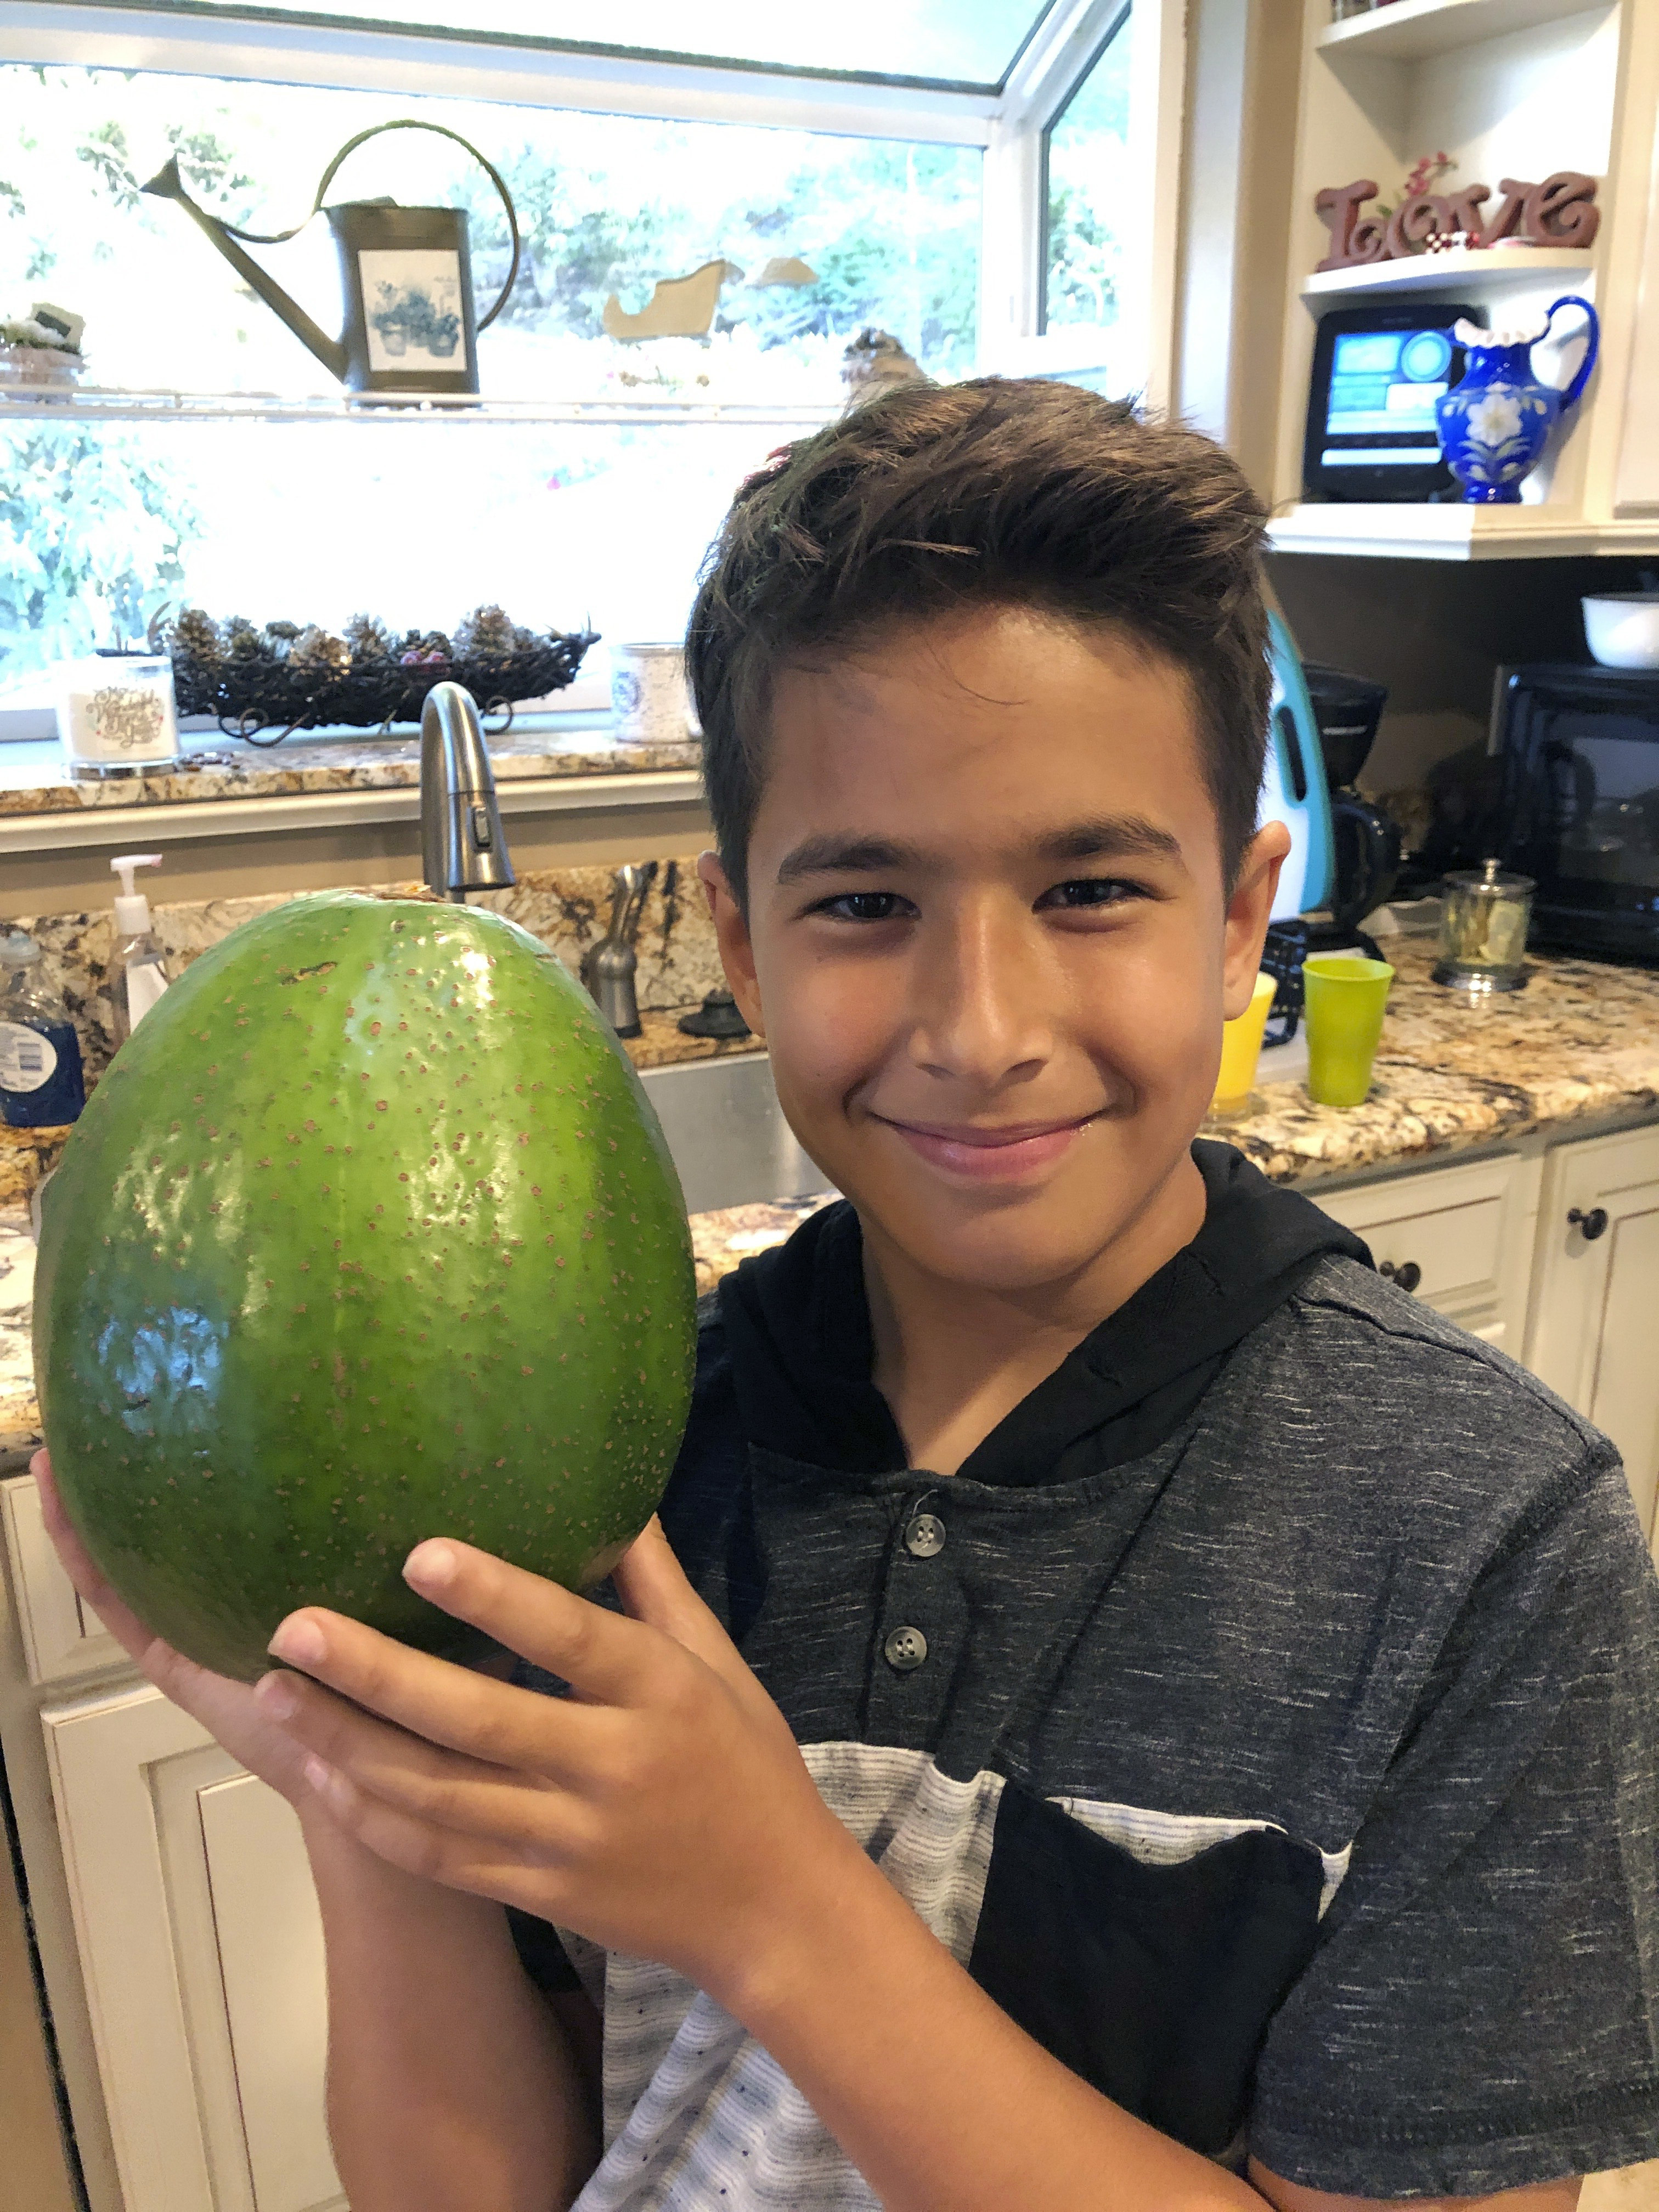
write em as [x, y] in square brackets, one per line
[798, 1327]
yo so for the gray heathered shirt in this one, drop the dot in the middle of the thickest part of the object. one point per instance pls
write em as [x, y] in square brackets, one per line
[1284, 1753]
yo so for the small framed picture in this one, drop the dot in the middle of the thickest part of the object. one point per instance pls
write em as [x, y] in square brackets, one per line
[412, 309]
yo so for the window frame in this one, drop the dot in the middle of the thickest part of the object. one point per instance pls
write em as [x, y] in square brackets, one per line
[1008, 124]
[1014, 254]
[275, 48]
[1123, 19]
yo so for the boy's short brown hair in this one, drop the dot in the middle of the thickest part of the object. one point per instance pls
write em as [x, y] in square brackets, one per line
[933, 499]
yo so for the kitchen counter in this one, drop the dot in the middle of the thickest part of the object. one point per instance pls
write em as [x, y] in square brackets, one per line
[1580, 1043]
[20, 1417]
[33, 779]
[663, 1043]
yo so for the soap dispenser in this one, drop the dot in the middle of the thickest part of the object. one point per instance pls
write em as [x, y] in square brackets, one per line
[138, 967]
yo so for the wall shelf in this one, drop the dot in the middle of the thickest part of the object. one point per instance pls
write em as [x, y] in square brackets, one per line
[92, 404]
[1412, 30]
[1494, 270]
[1506, 87]
[1452, 532]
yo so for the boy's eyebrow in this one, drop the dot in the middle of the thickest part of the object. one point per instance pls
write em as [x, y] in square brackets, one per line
[827, 853]
[1108, 836]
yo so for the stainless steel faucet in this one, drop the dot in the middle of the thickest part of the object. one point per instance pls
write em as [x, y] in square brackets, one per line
[463, 846]
[609, 967]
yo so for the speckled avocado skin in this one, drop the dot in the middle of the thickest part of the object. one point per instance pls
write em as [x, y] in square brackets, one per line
[368, 1234]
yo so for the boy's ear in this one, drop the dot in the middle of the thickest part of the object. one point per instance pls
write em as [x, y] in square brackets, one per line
[732, 935]
[1249, 910]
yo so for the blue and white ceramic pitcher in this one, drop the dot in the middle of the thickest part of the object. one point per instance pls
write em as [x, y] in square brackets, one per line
[1495, 424]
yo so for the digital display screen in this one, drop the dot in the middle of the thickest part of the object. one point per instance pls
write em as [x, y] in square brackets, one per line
[1383, 384]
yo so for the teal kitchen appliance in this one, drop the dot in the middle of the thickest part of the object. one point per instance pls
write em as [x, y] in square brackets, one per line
[1294, 789]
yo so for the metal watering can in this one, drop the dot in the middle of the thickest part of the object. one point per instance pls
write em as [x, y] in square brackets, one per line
[405, 272]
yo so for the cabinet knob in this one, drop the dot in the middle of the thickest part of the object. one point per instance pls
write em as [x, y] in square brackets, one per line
[1591, 1225]
[1408, 1275]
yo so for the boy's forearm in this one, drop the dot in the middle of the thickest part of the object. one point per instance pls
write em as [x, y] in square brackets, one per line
[941, 2102]
[451, 2087]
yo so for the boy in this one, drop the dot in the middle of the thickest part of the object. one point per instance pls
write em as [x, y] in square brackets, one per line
[1131, 1710]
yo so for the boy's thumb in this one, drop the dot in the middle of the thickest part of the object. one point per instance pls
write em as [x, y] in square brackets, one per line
[651, 1585]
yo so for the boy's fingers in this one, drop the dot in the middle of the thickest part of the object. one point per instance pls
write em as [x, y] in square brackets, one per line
[76, 1560]
[57, 1523]
[410, 1771]
[448, 1704]
[434, 1854]
[593, 1650]
[123, 1624]
[653, 1587]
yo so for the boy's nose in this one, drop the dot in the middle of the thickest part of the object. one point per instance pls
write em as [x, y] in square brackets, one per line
[982, 987]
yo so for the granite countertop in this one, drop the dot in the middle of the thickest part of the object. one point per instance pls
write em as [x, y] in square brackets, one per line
[1580, 1043]
[34, 778]
[20, 1417]
[662, 1042]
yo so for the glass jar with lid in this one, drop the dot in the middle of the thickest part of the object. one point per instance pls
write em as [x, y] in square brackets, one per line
[1483, 930]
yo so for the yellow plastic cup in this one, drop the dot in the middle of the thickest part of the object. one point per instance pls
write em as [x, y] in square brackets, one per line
[1241, 1048]
[1345, 1001]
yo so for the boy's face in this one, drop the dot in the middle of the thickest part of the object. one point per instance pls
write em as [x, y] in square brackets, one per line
[989, 943]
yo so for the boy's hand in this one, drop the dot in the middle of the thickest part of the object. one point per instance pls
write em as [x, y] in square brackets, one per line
[663, 1809]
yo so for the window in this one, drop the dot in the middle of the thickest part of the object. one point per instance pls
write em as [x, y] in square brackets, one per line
[1090, 198]
[417, 521]
[969, 42]
[829, 164]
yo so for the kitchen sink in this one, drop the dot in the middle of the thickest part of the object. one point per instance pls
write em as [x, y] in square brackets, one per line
[727, 1132]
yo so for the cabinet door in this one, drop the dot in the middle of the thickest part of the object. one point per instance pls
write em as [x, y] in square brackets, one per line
[1597, 1292]
[62, 1634]
[203, 1957]
[1456, 1236]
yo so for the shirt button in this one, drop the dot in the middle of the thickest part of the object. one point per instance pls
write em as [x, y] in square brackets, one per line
[904, 1649]
[924, 1538]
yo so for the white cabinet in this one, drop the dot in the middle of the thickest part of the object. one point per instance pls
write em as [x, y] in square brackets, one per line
[1636, 488]
[1458, 1238]
[203, 1958]
[1597, 1294]
[1553, 1258]
[62, 1637]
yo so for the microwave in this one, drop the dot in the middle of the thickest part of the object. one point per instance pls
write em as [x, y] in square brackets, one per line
[1579, 760]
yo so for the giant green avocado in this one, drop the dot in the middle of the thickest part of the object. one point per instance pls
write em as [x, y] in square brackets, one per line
[368, 1234]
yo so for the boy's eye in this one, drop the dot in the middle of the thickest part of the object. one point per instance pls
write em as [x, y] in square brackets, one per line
[863, 906]
[1089, 891]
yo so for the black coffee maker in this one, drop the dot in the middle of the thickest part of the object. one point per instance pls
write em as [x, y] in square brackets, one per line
[1365, 843]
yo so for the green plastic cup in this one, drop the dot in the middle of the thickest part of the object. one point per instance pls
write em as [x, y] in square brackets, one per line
[1345, 1000]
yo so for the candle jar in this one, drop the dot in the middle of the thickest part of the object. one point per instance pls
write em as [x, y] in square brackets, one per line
[116, 714]
[1483, 930]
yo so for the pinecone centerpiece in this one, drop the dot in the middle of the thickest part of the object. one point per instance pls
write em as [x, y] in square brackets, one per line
[287, 677]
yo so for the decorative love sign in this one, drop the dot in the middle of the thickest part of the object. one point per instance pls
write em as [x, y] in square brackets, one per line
[1561, 211]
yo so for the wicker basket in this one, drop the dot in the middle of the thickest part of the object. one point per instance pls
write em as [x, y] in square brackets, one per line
[262, 693]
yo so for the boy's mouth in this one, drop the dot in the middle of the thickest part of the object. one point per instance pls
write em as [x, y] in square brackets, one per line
[997, 1153]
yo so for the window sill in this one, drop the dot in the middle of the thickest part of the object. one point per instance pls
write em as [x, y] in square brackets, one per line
[571, 764]
[95, 404]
